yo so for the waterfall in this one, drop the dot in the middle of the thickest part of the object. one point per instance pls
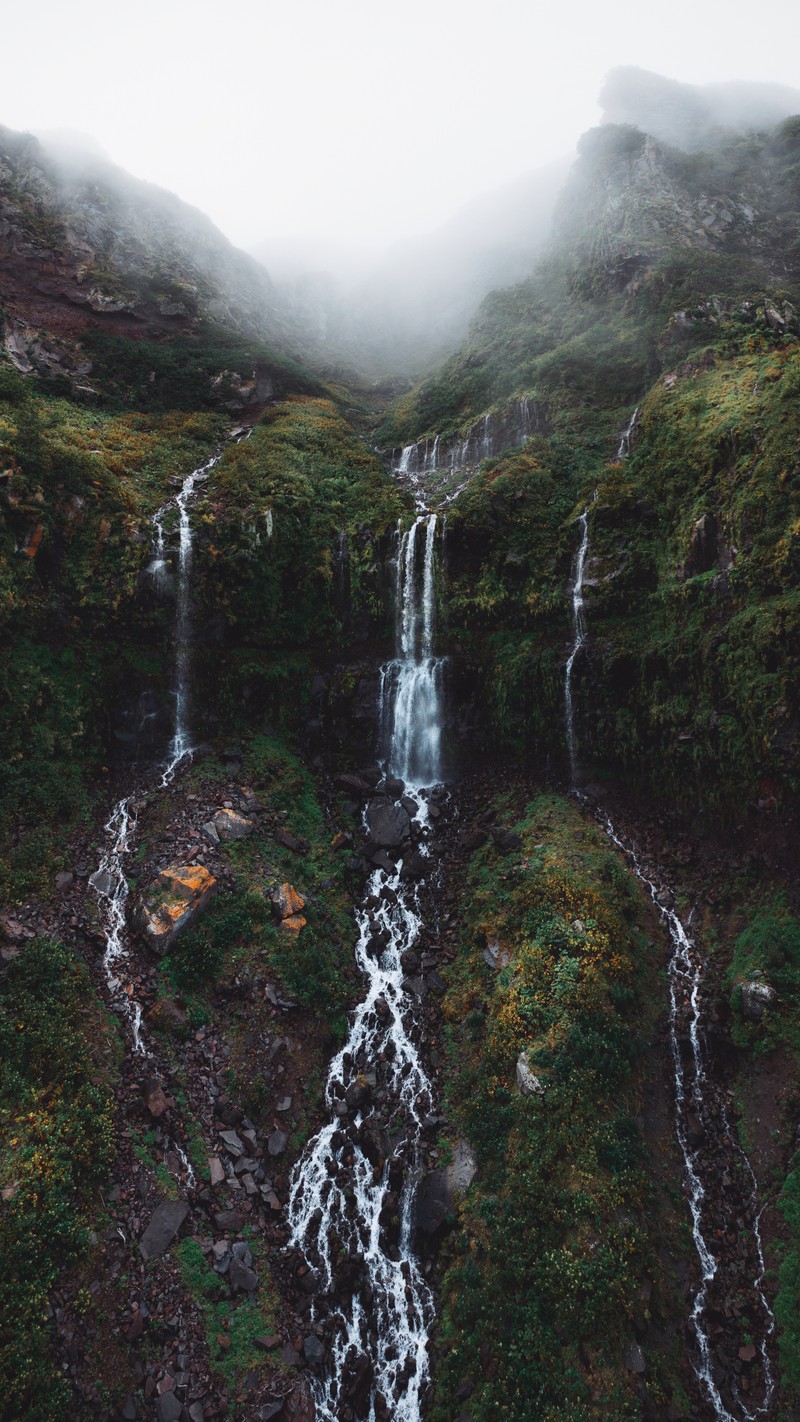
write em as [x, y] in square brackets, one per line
[357, 1176]
[181, 744]
[624, 447]
[699, 1113]
[109, 880]
[696, 1095]
[579, 629]
[411, 684]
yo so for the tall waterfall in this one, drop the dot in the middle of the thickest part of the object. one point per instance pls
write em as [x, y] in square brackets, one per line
[352, 1191]
[411, 684]
[702, 1126]
[579, 634]
[109, 880]
[181, 745]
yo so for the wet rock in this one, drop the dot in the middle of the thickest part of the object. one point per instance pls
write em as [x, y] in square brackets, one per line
[434, 1204]
[388, 824]
[314, 1352]
[695, 1130]
[527, 1081]
[174, 902]
[163, 1227]
[702, 553]
[354, 785]
[231, 826]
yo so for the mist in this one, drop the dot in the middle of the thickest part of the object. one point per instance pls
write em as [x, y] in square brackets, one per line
[355, 123]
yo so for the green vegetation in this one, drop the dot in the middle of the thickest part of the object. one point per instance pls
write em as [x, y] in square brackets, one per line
[550, 1265]
[231, 1326]
[204, 371]
[57, 1053]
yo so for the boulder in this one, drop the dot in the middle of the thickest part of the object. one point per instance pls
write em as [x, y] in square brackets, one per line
[174, 902]
[757, 996]
[286, 902]
[527, 1081]
[168, 1408]
[388, 824]
[163, 1227]
[462, 1169]
[230, 825]
[241, 1277]
[291, 841]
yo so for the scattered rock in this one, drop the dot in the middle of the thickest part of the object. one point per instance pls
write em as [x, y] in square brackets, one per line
[290, 841]
[155, 1099]
[163, 1227]
[286, 902]
[462, 1169]
[168, 1408]
[242, 1277]
[231, 826]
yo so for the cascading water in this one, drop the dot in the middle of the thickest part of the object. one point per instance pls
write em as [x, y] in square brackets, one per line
[700, 1111]
[624, 447]
[109, 880]
[362, 1169]
[700, 1116]
[181, 743]
[411, 684]
[579, 629]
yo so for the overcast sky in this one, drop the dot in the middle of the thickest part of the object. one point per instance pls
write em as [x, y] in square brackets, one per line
[354, 119]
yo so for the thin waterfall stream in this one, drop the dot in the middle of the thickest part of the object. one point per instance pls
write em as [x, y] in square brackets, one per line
[109, 880]
[720, 1200]
[352, 1192]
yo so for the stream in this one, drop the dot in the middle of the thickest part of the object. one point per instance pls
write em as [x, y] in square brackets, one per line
[352, 1191]
[719, 1182]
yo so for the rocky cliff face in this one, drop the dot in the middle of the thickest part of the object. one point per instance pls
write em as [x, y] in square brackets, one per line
[85, 246]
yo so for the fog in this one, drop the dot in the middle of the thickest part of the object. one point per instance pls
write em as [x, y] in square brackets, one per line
[351, 124]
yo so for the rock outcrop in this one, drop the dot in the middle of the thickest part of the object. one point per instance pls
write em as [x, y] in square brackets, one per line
[174, 902]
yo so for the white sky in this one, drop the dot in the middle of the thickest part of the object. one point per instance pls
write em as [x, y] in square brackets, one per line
[354, 120]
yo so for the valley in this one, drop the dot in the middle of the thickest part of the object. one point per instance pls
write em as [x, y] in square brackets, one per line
[399, 940]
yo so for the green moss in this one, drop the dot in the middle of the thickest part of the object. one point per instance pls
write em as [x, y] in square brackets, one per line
[545, 1273]
[231, 1326]
[56, 1124]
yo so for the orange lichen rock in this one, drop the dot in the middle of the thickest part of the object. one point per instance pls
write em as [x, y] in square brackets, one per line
[176, 899]
[33, 541]
[286, 902]
[293, 923]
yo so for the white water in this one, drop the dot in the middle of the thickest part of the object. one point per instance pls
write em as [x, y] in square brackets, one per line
[694, 1092]
[411, 684]
[337, 1189]
[624, 447]
[109, 880]
[508, 428]
[181, 744]
[579, 629]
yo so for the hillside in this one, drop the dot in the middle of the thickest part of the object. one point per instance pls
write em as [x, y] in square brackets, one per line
[399, 920]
